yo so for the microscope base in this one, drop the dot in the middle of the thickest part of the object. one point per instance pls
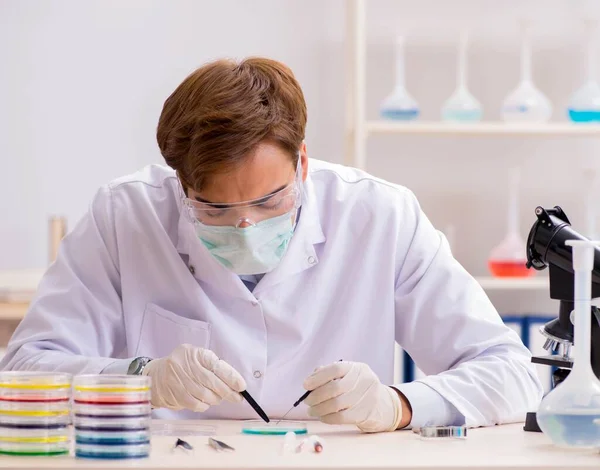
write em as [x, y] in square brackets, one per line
[531, 424]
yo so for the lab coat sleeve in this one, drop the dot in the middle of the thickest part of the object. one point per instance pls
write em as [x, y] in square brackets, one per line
[75, 322]
[447, 324]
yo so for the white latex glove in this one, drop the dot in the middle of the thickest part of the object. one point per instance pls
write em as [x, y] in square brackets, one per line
[351, 393]
[193, 378]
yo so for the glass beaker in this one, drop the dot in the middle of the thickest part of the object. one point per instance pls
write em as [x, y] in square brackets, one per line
[570, 413]
[399, 105]
[509, 257]
[462, 106]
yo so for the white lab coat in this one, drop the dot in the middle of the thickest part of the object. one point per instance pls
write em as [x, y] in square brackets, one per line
[365, 268]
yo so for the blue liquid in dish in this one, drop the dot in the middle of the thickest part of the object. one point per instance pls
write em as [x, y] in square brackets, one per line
[462, 116]
[582, 115]
[112, 441]
[400, 114]
[571, 430]
[108, 456]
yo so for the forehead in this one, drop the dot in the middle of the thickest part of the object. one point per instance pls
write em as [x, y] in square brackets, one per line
[266, 169]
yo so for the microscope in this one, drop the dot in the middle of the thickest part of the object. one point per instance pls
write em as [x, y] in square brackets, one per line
[546, 249]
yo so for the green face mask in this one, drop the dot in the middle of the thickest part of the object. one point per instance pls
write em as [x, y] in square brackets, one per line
[256, 249]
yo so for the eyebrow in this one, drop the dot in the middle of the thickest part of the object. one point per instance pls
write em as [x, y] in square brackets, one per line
[261, 199]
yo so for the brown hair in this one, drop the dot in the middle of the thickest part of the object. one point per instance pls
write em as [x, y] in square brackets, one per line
[223, 110]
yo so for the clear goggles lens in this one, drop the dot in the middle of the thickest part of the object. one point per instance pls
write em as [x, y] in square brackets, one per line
[250, 212]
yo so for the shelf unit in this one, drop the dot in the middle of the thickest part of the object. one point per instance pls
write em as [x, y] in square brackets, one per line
[529, 283]
[13, 310]
[359, 129]
[483, 129]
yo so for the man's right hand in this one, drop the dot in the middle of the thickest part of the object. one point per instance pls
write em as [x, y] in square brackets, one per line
[193, 378]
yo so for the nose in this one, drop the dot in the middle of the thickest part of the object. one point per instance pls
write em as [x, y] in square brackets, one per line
[244, 222]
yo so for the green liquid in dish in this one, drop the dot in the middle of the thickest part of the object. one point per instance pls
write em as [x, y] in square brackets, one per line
[35, 453]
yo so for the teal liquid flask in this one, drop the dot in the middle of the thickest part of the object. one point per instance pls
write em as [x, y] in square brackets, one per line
[462, 106]
[584, 105]
[399, 105]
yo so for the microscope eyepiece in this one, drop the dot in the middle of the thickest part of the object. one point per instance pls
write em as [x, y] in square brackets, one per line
[545, 238]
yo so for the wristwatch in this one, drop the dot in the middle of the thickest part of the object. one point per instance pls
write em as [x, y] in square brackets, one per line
[138, 365]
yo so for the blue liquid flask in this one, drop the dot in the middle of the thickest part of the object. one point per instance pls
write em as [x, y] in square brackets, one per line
[526, 103]
[462, 106]
[584, 105]
[399, 105]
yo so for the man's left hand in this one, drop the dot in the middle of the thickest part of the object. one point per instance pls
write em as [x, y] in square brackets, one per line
[351, 393]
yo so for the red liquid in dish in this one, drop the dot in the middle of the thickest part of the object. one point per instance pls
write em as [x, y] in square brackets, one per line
[509, 269]
[111, 401]
[33, 399]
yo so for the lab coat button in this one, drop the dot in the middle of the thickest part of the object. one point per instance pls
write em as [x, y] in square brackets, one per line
[312, 260]
[254, 303]
[257, 374]
[192, 270]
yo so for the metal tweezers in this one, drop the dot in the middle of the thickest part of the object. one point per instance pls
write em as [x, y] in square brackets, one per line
[219, 445]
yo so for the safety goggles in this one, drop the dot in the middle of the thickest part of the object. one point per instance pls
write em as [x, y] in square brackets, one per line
[247, 212]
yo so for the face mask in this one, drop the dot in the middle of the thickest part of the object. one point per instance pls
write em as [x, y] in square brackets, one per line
[256, 249]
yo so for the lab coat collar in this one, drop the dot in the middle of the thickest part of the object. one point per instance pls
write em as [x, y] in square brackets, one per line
[300, 255]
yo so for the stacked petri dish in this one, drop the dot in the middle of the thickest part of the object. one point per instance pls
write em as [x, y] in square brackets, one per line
[34, 413]
[111, 416]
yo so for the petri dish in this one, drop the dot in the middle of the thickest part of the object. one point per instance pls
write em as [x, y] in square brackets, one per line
[273, 428]
[34, 449]
[111, 410]
[39, 436]
[111, 424]
[112, 452]
[111, 389]
[34, 386]
[182, 429]
[111, 398]
[111, 384]
[34, 422]
[112, 438]
[34, 409]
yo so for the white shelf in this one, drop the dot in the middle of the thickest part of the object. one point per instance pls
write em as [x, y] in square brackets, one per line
[554, 129]
[513, 283]
[19, 285]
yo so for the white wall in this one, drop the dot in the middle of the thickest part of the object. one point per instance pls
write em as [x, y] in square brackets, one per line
[82, 84]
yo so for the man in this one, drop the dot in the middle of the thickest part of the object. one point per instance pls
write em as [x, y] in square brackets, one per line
[247, 266]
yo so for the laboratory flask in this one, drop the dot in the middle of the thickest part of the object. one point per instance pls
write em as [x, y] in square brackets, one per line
[584, 105]
[462, 106]
[509, 257]
[526, 103]
[399, 105]
[570, 413]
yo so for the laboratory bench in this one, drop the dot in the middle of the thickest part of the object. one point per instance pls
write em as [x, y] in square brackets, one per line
[499, 447]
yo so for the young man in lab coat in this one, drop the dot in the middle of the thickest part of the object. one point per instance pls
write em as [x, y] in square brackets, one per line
[247, 266]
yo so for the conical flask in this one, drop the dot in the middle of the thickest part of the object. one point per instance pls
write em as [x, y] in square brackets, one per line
[526, 103]
[570, 413]
[399, 105]
[584, 105]
[462, 106]
[509, 257]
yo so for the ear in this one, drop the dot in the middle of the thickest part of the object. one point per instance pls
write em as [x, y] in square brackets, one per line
[304, 161]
